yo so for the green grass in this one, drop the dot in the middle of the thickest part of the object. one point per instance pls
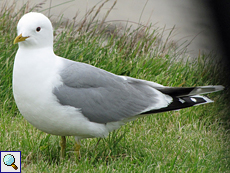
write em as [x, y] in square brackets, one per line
[190, 140]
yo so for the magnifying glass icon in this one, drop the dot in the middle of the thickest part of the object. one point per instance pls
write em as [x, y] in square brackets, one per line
[9, 160]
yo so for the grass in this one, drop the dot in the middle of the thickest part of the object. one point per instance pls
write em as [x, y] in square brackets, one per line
[190, 140]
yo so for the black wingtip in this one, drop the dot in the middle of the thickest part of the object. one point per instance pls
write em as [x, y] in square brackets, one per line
[182, 102]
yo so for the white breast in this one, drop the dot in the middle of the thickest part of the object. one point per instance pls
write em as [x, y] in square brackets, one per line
[34, 78]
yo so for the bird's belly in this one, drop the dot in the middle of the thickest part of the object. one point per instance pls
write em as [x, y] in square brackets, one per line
[43, 111]
[33, 93]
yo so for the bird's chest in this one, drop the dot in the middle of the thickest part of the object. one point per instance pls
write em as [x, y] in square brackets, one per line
[33, 81]
[30, 80]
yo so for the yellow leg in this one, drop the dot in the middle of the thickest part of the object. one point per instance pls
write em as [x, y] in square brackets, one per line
[77, 147]
[63, 146]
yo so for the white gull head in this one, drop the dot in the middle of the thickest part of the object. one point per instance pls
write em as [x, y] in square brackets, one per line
[34, 31]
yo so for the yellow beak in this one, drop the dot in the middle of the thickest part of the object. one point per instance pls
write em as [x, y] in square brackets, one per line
[19, 39]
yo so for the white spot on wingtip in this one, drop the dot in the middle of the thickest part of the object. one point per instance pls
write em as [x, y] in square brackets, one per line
[182, 101]
[193, 99]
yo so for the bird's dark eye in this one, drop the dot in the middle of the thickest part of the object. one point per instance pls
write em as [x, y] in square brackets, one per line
[38, 29]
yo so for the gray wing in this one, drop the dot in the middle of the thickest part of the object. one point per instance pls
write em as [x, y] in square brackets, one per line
[102, 96]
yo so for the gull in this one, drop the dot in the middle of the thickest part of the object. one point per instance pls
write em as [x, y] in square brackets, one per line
[68, 98]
